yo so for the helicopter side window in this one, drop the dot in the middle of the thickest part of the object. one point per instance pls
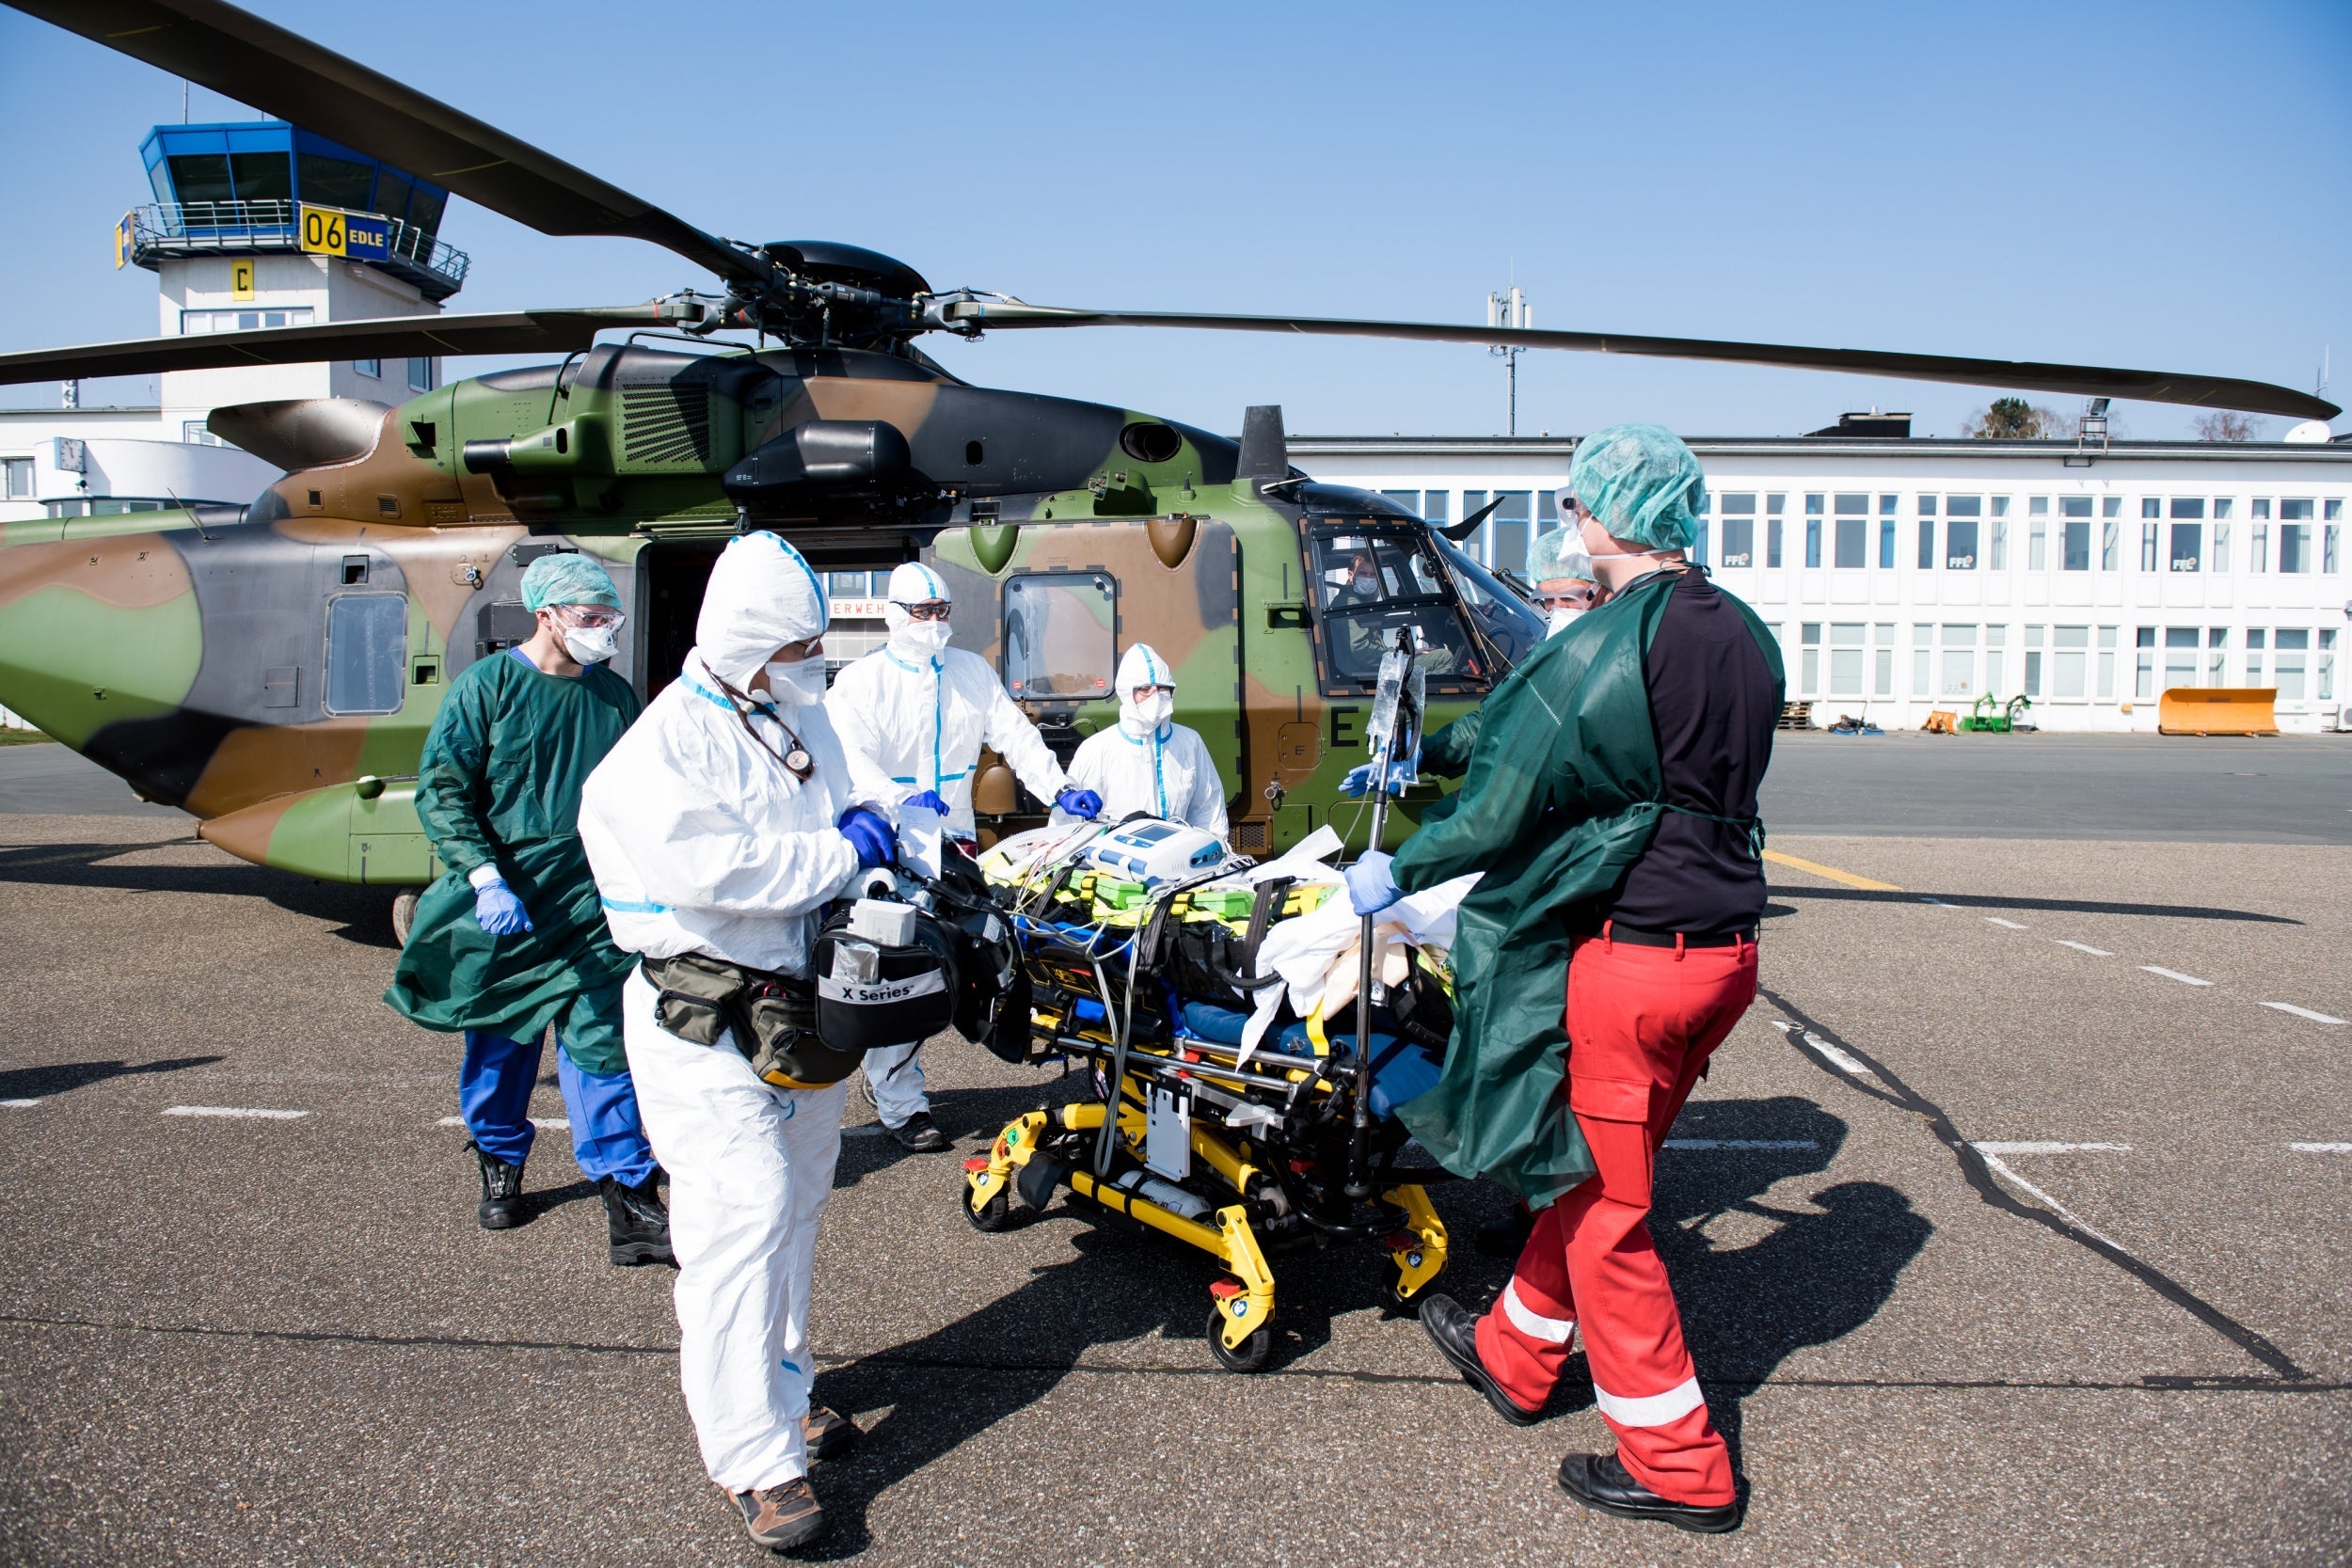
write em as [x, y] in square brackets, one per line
[1370, 582]
[1061, 636]
[367, 651]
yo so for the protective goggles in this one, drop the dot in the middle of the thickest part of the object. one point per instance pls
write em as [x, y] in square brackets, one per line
[929, 609]
[1573, 599]
[588, 617]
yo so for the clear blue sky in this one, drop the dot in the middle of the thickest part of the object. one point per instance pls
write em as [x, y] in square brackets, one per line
[2154, 186]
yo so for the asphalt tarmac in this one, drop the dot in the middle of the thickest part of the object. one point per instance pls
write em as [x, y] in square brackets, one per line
[2016, 1244]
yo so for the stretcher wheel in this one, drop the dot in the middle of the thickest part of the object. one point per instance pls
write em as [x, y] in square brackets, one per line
[1253, 1353]
[994, 1214]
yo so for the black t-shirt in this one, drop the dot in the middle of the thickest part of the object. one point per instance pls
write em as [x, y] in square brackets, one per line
[1712, 705]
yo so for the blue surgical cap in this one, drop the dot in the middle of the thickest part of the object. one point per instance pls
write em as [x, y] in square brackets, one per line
[567, 577]
[1641, 483]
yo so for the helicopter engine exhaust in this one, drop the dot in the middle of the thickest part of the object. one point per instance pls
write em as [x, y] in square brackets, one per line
[821, 464]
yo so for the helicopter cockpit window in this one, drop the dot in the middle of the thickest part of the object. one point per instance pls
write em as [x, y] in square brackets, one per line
[1061, 636]
[1370, 580]
[367, 651]
[1506, 620]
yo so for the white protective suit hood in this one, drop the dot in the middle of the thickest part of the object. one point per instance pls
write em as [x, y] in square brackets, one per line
[912, 582]
[1143, 666]
[761, 596]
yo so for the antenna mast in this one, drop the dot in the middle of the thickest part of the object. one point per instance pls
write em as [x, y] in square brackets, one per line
[1510, 309]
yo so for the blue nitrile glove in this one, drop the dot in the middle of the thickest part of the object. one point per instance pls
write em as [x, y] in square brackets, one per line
[1370, 887]
[1358, 780]
[870, 835]
[499, 911]
[1079, 802]
[928, 801]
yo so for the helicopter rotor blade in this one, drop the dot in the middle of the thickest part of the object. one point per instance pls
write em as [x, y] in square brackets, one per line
[392, 337]
[242, 57]
[966, 313]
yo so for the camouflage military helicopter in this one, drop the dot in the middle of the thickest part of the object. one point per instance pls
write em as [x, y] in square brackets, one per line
[275, 674]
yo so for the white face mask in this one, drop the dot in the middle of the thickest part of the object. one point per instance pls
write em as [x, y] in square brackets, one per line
[1145, 717]
[799, 683]
[921, 638]
[591, 644]
[1560, 620]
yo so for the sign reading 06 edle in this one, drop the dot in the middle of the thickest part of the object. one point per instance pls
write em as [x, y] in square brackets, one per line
[359, 236]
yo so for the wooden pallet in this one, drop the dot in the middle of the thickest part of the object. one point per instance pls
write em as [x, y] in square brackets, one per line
[1795, 716]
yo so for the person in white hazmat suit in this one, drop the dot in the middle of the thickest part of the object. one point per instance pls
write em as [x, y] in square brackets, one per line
[718, 828]
[1147, 761]
[912, 716]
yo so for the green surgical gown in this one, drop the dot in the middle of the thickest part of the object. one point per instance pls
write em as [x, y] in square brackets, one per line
[1562, 794]
[499, 785]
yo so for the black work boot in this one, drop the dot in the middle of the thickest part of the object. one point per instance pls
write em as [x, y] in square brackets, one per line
[1456, 1335]
[920, 1134]
[1602, 1483]
[501, 1192]
[781, 1517]
[635, 1221]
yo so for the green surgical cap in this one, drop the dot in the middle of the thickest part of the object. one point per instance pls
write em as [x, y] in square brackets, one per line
[1641, 483]
[1557, 555]
[566, 578]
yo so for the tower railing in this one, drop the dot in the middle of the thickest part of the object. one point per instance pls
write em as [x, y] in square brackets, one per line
[223, 227]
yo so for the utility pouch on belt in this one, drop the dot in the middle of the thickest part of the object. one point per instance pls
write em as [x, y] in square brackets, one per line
[773, 1017]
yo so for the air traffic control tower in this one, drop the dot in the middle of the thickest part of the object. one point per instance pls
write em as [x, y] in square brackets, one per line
[264, 223]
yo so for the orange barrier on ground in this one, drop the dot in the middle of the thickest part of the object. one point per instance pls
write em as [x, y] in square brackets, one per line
[2217, 710]
[1942, 721]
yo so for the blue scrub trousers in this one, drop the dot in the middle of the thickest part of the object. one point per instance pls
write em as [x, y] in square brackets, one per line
[494, 1091]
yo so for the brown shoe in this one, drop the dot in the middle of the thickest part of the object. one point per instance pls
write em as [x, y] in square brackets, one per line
[829, 1433]
[782, 1517]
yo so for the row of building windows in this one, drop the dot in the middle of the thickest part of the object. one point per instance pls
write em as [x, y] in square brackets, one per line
[2056, 663]
[1953, 533]
[2176, 533]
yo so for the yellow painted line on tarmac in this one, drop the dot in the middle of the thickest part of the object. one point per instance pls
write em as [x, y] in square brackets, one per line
[1830, 872]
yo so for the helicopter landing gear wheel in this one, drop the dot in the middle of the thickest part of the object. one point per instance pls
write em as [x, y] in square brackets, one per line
[1250, 1358]
[405, 914]
[1397, 1302]
[995, 1214]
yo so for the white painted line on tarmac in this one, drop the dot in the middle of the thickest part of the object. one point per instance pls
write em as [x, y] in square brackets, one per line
[248, 1112]
[2321, 1149]
[2038, 1147]
[2085, 947]
[1997, 920]
[545, 1124]
[2175, 975]
[1992, 1163]
[2283, 1007]
[1838, 1058]
[17, 1104]
[1741, 1143]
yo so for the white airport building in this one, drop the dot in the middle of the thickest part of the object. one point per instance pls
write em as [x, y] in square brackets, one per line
[1906, 576]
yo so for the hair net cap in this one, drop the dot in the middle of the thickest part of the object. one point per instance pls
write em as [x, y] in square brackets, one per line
[761, 596]
[912, 582]
[567, 577]
[1641, 483]
[1556, 555]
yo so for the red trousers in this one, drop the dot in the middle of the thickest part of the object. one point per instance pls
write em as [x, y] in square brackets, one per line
[1642, 1022]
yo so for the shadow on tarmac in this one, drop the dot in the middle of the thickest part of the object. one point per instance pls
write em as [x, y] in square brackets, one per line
[364, 913]
[1998, 901]
[36, 1083]
[1813, 1279]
